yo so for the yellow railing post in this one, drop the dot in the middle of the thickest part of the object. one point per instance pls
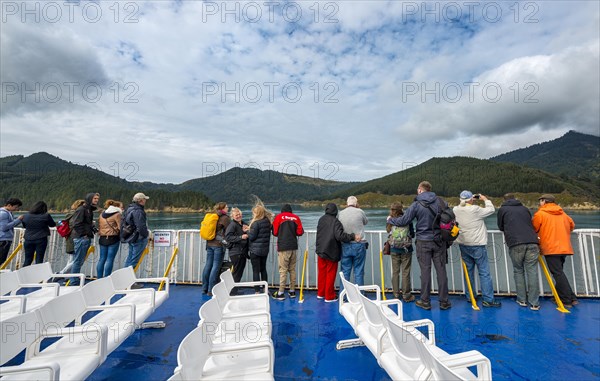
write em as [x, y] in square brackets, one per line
[381, 269]
[11, 256]
[144, 253]
[473, 300]
[559, 303]
[301, 299]
[171, 261]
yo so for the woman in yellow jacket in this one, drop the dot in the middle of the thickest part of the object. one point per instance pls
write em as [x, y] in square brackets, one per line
[554, 229]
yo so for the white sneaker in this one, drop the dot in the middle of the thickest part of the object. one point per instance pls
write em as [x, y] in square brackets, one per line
[320, 297]
[331, 301]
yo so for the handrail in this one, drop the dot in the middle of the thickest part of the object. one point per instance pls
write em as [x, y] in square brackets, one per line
[582, 269]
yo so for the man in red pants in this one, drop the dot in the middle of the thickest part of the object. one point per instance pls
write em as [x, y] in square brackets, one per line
[330, 235]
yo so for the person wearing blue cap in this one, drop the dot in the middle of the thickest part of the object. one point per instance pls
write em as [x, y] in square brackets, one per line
[472, 242]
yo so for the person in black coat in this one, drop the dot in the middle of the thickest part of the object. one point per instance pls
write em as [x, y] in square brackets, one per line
[259, 236]
[237, 239]
[514, 220]
[82, 232]
[330, 235]
[37, 225]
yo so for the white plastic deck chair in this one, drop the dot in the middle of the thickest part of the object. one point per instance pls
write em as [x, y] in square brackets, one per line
[14, 304]
[18, 333]
[405, 361]
[238, 305]
[198, 360]
[352, 310]
[249, 329]
[446, 367]
[230, 284]
[374, 332]
[33, 275]
[100, 293]
[80, 350]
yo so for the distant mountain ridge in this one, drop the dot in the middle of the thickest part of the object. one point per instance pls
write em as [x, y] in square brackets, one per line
[239, 184]
[569, 166]
[42, 176]
[574, 155]
[449, 176]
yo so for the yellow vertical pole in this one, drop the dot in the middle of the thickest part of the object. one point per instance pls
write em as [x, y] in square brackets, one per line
[473, 300]
[301, 299]
[175, 251]
[381, 268]
[559, 303]
[146, 250]
[11, 256]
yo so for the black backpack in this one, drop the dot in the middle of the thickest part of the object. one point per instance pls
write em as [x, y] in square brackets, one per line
[445, 227]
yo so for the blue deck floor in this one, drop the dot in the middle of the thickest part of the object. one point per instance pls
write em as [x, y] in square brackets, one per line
[521, 344]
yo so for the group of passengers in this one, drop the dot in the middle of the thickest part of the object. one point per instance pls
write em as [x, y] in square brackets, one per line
[79, 233]
[340, 238]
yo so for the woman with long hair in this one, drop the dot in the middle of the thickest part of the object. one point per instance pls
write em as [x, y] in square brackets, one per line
[259, 237]
[109, 229]
[215, 249]
[37, 225]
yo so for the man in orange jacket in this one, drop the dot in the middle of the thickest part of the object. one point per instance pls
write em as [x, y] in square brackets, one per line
[554, 228]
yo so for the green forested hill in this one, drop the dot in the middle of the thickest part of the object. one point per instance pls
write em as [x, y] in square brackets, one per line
[42, 176]
[449, 176]
[239, 184]
[574, 155]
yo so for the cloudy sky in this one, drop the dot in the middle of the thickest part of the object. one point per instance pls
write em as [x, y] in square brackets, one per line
[345, 90]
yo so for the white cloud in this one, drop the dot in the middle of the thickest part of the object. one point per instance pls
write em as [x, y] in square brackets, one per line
[171, 56]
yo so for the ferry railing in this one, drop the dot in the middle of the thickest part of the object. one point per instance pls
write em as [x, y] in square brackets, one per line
[582, 269]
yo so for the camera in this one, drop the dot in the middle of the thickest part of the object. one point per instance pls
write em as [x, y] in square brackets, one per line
[477, 196]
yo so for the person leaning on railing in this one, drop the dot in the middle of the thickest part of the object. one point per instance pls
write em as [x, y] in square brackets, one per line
[554, 228]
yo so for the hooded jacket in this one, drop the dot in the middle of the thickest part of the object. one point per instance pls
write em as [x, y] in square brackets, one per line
[7, 225]
[554, 228]
[287, 227]
[259, 237]
[109, 226]
[514, 220]
[330, 235]
[424, 226]
[82, 222]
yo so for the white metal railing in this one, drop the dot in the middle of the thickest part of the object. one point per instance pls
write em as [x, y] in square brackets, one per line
[581, 268]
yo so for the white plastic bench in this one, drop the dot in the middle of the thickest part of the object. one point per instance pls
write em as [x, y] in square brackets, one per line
[199, 359]
[239, 305]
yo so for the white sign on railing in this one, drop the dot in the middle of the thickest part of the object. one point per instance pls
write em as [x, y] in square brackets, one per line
[162, 238]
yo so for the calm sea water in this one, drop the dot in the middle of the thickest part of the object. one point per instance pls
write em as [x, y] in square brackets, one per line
[310, 217]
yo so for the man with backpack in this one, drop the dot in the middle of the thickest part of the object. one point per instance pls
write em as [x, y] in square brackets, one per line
[134, 229]
[472, 243]
[429, 248]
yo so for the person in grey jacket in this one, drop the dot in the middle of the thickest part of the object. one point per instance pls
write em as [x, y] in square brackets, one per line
[37, 225]
[514, 220]
[7, 226]
[353, 220]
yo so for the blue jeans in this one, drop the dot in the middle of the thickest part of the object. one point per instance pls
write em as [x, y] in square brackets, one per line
[135, 252]
[82, 244]
[353, 256]
[477, 256]
[212, 268]
[107, 259]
